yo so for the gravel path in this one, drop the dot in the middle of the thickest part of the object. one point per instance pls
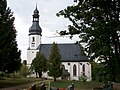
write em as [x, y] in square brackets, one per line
[18, 87]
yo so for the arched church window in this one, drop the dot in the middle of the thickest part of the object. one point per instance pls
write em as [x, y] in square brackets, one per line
[33, 39]
[83, 69]
[74, 70]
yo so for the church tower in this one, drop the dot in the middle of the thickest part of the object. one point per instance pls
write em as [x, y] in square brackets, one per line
[34, 37]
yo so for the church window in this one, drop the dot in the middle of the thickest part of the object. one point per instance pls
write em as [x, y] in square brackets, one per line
[35, 19]
[83, 69]
[74, 70]
[68, 63]
[33, 39]
[33, 45]
[80, 63]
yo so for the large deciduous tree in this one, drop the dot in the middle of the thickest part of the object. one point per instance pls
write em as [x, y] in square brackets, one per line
[39, 64]
[9, 53]
[98, 24]
[55, 69]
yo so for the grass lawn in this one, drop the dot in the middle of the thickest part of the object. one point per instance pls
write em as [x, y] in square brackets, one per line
[8, 82]
[78, 85]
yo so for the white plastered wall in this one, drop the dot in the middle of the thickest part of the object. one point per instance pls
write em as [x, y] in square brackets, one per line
[33, 47]
[37, 41]
[31, 54]
[79, 70]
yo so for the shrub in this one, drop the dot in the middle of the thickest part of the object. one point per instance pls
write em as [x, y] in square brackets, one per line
[83, 78]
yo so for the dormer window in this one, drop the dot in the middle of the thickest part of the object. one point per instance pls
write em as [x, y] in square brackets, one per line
[76, 56]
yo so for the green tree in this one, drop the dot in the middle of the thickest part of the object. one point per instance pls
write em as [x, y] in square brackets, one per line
[97, 22]
[55, 69]
[39, 64]
[24, 70]
[9, 53]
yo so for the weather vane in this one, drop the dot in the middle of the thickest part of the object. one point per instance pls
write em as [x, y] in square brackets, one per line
[36, 2]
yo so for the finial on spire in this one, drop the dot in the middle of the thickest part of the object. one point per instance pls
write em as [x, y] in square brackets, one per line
[36, 10]
[36, 5]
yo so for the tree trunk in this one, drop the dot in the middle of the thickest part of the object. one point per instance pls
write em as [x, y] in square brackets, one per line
[116, 57]
[54, 79]
[40, 74]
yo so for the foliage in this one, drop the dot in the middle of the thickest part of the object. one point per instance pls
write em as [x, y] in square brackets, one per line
[9, 53]
[39, 64]
[65, 74]
[97, 22]
[55, 69]
[96, 69]
[83, 78]
[24, 71]
[78, 85]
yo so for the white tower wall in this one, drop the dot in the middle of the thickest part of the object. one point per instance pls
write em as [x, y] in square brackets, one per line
[34, 41]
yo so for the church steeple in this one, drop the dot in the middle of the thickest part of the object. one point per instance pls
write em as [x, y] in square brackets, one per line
[35, 29]
[34, 37]
[36, 15]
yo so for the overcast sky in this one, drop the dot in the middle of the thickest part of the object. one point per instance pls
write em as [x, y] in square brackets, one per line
[49, 22]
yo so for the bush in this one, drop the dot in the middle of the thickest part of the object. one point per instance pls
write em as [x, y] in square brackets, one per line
[24, 71]
[83, 78]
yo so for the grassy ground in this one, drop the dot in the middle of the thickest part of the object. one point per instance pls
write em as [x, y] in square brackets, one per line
[8, 82]
[78, 85]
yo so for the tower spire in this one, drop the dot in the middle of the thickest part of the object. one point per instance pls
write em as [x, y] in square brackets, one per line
[36, 5]
[35, 28]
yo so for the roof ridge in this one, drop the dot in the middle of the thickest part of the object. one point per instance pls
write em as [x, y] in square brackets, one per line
[61, 44]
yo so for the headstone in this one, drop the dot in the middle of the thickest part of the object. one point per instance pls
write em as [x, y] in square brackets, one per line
[33, 87]
[71, 87]
[42, 87]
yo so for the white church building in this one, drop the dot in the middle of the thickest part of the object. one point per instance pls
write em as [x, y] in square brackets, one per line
[73, 59]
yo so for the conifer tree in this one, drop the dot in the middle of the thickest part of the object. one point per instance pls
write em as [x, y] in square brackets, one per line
[55, 69]
[39, 64]
[9, 53]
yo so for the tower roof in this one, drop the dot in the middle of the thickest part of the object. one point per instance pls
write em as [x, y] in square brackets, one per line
[36, 13]
[35, 29]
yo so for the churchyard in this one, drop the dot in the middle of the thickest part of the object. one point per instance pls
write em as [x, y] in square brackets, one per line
[9, 82]
[41, 84]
